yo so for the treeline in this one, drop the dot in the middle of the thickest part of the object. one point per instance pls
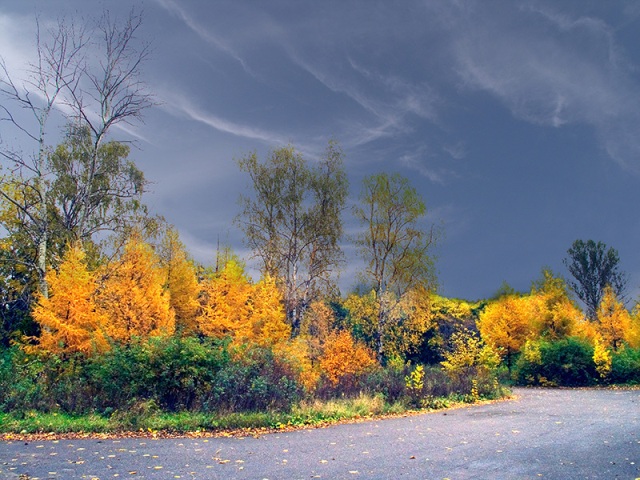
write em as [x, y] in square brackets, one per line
[151, 325]
[103, 309]
[543, 338]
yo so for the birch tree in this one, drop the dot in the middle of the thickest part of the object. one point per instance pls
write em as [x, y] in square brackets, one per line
[293, 222]
[394, 246]
[86, 76]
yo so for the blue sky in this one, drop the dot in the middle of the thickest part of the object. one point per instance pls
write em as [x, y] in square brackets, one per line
[517, 121]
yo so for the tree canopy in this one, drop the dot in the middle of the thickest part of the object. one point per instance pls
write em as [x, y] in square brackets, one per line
[594, 267]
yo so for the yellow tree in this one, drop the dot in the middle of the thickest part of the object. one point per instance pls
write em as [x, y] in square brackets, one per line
[225, 302]
[409, 319]
[554, 314]
[504, 325]
[69, 317]
[180, 280]
[344, 359]
[267, 316]
[469, 357]
[133, 296]
[232, 306]
[614, 321]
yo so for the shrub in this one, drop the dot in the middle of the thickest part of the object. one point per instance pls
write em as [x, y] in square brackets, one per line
[345, 362]
[254, 380]
[566, 362]
[625, 366]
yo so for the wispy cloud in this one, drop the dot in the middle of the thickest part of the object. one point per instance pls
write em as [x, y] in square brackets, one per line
[418, 161]
[177, 104]
[456, 151]
[389, 99]
[559, 70]
[406, 97]
[204, 33]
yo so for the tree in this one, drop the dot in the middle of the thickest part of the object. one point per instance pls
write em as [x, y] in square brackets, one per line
[91, 195]
[93, 95]
[593, 267]
[180, 281]
[70, 318]
[614, 321]
[553, 313]
[344, 360]
[504, 325]
[395, 248]
[293, 222]
[233, 307]
[24, 189]
[132, 294]
[403, 334]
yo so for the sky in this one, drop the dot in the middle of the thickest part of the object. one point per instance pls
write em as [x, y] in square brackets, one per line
[518, 122]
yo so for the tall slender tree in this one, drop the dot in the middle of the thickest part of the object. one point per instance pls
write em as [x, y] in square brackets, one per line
[293, 222]
[395, 247]
[87, 76]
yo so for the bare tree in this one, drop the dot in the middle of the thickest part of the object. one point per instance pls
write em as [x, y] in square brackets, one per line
[24, 189]
[91, 79]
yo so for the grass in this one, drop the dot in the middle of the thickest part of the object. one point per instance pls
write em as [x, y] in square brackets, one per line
[150, 421]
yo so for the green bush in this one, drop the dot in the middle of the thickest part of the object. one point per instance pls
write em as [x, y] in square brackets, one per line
[173, 373]
[255, 380]
[566, 362]
[625, 366]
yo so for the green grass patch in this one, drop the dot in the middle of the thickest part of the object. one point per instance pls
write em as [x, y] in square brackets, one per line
[150, 420]
[36, 422]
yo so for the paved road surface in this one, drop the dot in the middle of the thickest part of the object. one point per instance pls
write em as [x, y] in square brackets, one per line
[548, 434]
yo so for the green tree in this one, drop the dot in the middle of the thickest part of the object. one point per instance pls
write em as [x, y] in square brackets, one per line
[293, 222]
[594, 267]
[90, 195]
[395, 248]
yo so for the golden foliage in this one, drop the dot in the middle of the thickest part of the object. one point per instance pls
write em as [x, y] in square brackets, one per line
[316, 326]
[405, 323]
[70, 319]
[468, 352]
[232, 306]
[505, 325]
[344, 359]
[554, 314]
[297, 353]
[224, 302]
[614, 321]
[267, 315]
[602, 358]
[133, 297]
[181, 282]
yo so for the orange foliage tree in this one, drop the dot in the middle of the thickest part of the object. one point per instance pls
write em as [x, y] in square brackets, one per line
[70, 319]
[344, 360]
[133, 295]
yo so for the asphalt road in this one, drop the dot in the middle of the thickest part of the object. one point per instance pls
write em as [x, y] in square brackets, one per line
[552, 434]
